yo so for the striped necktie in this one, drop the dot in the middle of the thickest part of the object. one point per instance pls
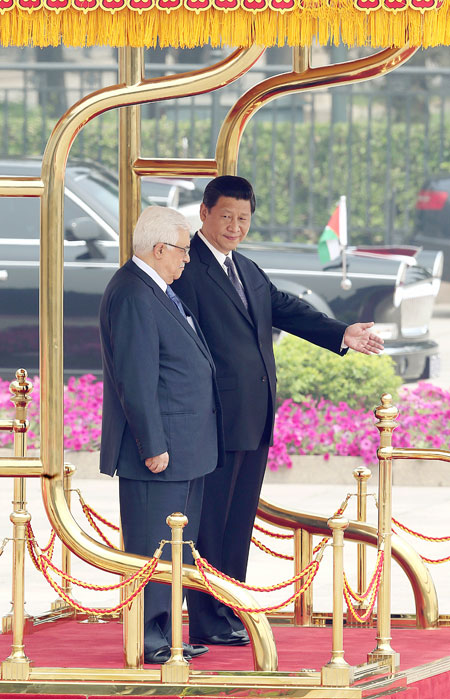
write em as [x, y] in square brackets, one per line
[234, 279]
[175, 300]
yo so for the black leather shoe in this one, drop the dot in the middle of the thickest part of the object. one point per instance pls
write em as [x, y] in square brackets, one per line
[194, 650]
[162, 655]
[242, 633]
[235, 638]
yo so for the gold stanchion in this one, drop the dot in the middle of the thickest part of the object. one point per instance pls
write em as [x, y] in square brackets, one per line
[133, 629]
[176, 669]
[66, 555]
[17, 665]
[338, 673]
[362, 475]
[386, 413]
[303, 605]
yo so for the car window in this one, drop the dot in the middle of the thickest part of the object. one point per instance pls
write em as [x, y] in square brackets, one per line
[192, 195]
[101, 194]
[19, 217]
[156, 192]
[72, 212]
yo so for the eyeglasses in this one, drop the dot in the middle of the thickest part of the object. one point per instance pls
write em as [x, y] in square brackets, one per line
[185, 250]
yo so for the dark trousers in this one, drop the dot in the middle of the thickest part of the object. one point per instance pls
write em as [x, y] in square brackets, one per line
[230, 501]
[144, 507]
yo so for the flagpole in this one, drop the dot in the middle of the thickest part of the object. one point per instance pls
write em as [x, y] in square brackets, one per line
[346, 283]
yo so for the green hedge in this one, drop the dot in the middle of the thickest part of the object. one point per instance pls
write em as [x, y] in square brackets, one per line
[358, 379]
[370, 168]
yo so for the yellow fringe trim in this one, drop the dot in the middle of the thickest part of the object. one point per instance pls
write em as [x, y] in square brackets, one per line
[317, 21]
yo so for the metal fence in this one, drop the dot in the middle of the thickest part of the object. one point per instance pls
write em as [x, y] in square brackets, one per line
[376, 142]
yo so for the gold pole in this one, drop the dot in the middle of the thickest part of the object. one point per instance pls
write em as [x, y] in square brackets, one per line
[386, 413]
[302, 557]
[17, 665]
[133, 629]
[362, 475]
[337, 672]
[131, 72]
[11, 466]
[301, 58]
[174, 167]
[122, 589]
[176, 669]
[66, 555]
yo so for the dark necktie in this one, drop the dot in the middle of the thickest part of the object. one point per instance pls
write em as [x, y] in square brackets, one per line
[175, 300]
[234, 279]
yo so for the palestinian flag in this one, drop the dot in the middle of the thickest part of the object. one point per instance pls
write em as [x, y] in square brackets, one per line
[334, 235]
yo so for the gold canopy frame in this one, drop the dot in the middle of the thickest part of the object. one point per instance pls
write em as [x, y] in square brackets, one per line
[132, 91]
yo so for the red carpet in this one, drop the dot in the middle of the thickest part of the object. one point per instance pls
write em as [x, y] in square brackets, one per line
[72, 644]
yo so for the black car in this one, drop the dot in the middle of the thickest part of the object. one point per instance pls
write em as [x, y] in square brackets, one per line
[432, 220]
[395, 288]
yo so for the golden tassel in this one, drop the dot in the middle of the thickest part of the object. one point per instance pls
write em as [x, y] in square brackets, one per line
[313, 20]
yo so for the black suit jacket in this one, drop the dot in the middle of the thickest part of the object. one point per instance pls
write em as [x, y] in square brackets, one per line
[159, 388]
[240, 341]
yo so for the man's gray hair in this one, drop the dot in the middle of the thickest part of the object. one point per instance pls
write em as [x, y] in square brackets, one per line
[157, 224]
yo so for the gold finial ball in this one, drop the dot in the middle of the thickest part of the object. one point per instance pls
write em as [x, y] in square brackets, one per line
[21, 387]
[338, 522]
[386, 412]
[362, 473]
[69, 469]
[177, 519]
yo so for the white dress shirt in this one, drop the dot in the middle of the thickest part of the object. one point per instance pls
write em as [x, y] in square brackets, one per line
[151, 272]
[158, 280]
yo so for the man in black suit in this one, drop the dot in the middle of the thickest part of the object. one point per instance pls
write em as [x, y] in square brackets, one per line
[236, 306]
[161, 428]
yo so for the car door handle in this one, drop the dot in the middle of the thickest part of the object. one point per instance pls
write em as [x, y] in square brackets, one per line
[3, 275]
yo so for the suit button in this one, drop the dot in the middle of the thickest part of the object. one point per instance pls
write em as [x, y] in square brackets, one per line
[260, 345]
[214, 410]
[263, 378]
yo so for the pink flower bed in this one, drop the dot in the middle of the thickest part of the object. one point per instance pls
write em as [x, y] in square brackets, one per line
[319, 427]
[314, 427]
[82, 413]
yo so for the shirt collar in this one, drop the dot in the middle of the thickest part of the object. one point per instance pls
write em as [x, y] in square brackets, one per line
[151, 272]
[220, 257]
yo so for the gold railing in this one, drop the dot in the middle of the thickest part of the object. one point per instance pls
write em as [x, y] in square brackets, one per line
[336, 672]
[305, 525]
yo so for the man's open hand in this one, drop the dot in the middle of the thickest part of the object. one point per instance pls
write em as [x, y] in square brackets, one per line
[359, 338]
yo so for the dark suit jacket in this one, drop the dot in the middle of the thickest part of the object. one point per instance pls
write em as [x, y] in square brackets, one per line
[241, 342]
[159, 391]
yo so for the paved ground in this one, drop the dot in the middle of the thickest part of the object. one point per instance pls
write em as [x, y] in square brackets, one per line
[423, 508]
[440, 331]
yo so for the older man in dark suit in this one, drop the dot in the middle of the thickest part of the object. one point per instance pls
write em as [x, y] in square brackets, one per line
[236, 306]
[161, 427]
